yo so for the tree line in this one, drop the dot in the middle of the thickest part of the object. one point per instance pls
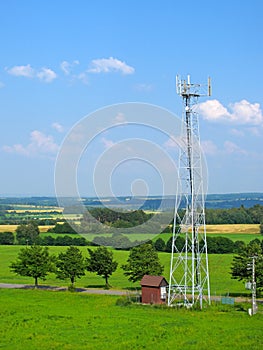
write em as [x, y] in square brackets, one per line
[36, 262]
[241, 215]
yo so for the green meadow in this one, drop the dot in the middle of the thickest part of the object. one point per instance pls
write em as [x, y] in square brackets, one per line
[37, 319]
[219, 266]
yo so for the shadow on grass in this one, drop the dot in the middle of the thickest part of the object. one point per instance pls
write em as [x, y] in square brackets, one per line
[97, 286]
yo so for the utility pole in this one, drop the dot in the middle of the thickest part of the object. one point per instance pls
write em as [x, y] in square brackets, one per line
[189, 276]
[251, 266]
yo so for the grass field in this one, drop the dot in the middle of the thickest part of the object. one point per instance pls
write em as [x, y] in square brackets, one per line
[219, 266]
[35, 319]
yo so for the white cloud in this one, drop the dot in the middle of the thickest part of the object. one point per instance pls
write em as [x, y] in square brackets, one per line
[58, 127]
[22, 71]
[237, 132]
[83, 77]
[209, 147]
[106, 65]
[107, 143]
[40, 144]
[144, 87]
[242, 112]
[44, 74]
[120, 118]
[255, 131]
[47, 75]
[230, 148]
[174, 142]
[67, 66]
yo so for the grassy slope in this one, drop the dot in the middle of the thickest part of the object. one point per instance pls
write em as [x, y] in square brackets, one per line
[219, 265]
[60, 320]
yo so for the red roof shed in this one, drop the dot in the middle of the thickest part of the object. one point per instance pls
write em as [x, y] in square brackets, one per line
[153, 289]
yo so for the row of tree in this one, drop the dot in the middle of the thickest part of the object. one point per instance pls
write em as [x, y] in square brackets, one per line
[8, 238]
[36, 262]
[215, 245]
[242, 215]
[29, 234]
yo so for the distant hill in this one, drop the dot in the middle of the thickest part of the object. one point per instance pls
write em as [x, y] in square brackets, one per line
[215, 201]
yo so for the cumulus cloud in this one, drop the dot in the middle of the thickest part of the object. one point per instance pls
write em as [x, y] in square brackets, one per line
[47, 75]
[67, 66]
[44, 74]
[40, 144]
[243, 112]
[58, 127]
[107, 65]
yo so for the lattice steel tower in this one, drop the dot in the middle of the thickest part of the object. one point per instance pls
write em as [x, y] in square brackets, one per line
[189, 276]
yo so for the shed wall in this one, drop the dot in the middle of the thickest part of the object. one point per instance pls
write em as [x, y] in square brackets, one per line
[151, 295]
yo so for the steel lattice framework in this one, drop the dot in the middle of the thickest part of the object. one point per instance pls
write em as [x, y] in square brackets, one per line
[189, 276]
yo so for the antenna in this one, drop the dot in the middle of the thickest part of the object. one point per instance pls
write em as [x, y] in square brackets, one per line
[189, 276]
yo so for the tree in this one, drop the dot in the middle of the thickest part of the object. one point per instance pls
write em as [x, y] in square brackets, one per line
[33, 261]
[142, 260]
[27, 234]
[101, 261]
[70, 264]
[159, 244]
[7, 238]
[239, 268]
[261, 228]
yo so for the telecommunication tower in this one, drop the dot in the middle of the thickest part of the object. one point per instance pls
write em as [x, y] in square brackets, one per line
[189, 275]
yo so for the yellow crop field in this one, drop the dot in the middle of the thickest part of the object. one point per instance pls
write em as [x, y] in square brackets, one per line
[29, 210]
[233, 228]
[12, 228]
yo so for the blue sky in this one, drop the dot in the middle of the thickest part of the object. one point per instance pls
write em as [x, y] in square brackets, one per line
[62, 60]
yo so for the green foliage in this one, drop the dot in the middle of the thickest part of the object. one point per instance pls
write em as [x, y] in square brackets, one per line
[62, 228]
[117, 218]
[239, 268]
[159, 245]
[70, 265]
[27, 234]
[220, 245]
[242, 215]
[101, 261]
[7, 238]
[117, 240]
[33, 261]
[142, 260]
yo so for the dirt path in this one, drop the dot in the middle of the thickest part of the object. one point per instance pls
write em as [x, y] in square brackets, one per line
[82, 290]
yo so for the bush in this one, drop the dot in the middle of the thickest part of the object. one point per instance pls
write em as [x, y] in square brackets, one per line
[159, 245]
[7, 238]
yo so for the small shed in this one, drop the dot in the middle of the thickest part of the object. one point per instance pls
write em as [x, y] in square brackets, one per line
[153, 289]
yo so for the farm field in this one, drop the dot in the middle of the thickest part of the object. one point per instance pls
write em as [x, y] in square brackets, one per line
[12, 228]
[35, 319]
[219, 265]
[233, 228]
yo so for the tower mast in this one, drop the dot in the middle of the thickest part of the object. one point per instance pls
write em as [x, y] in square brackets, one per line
[189, 275]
